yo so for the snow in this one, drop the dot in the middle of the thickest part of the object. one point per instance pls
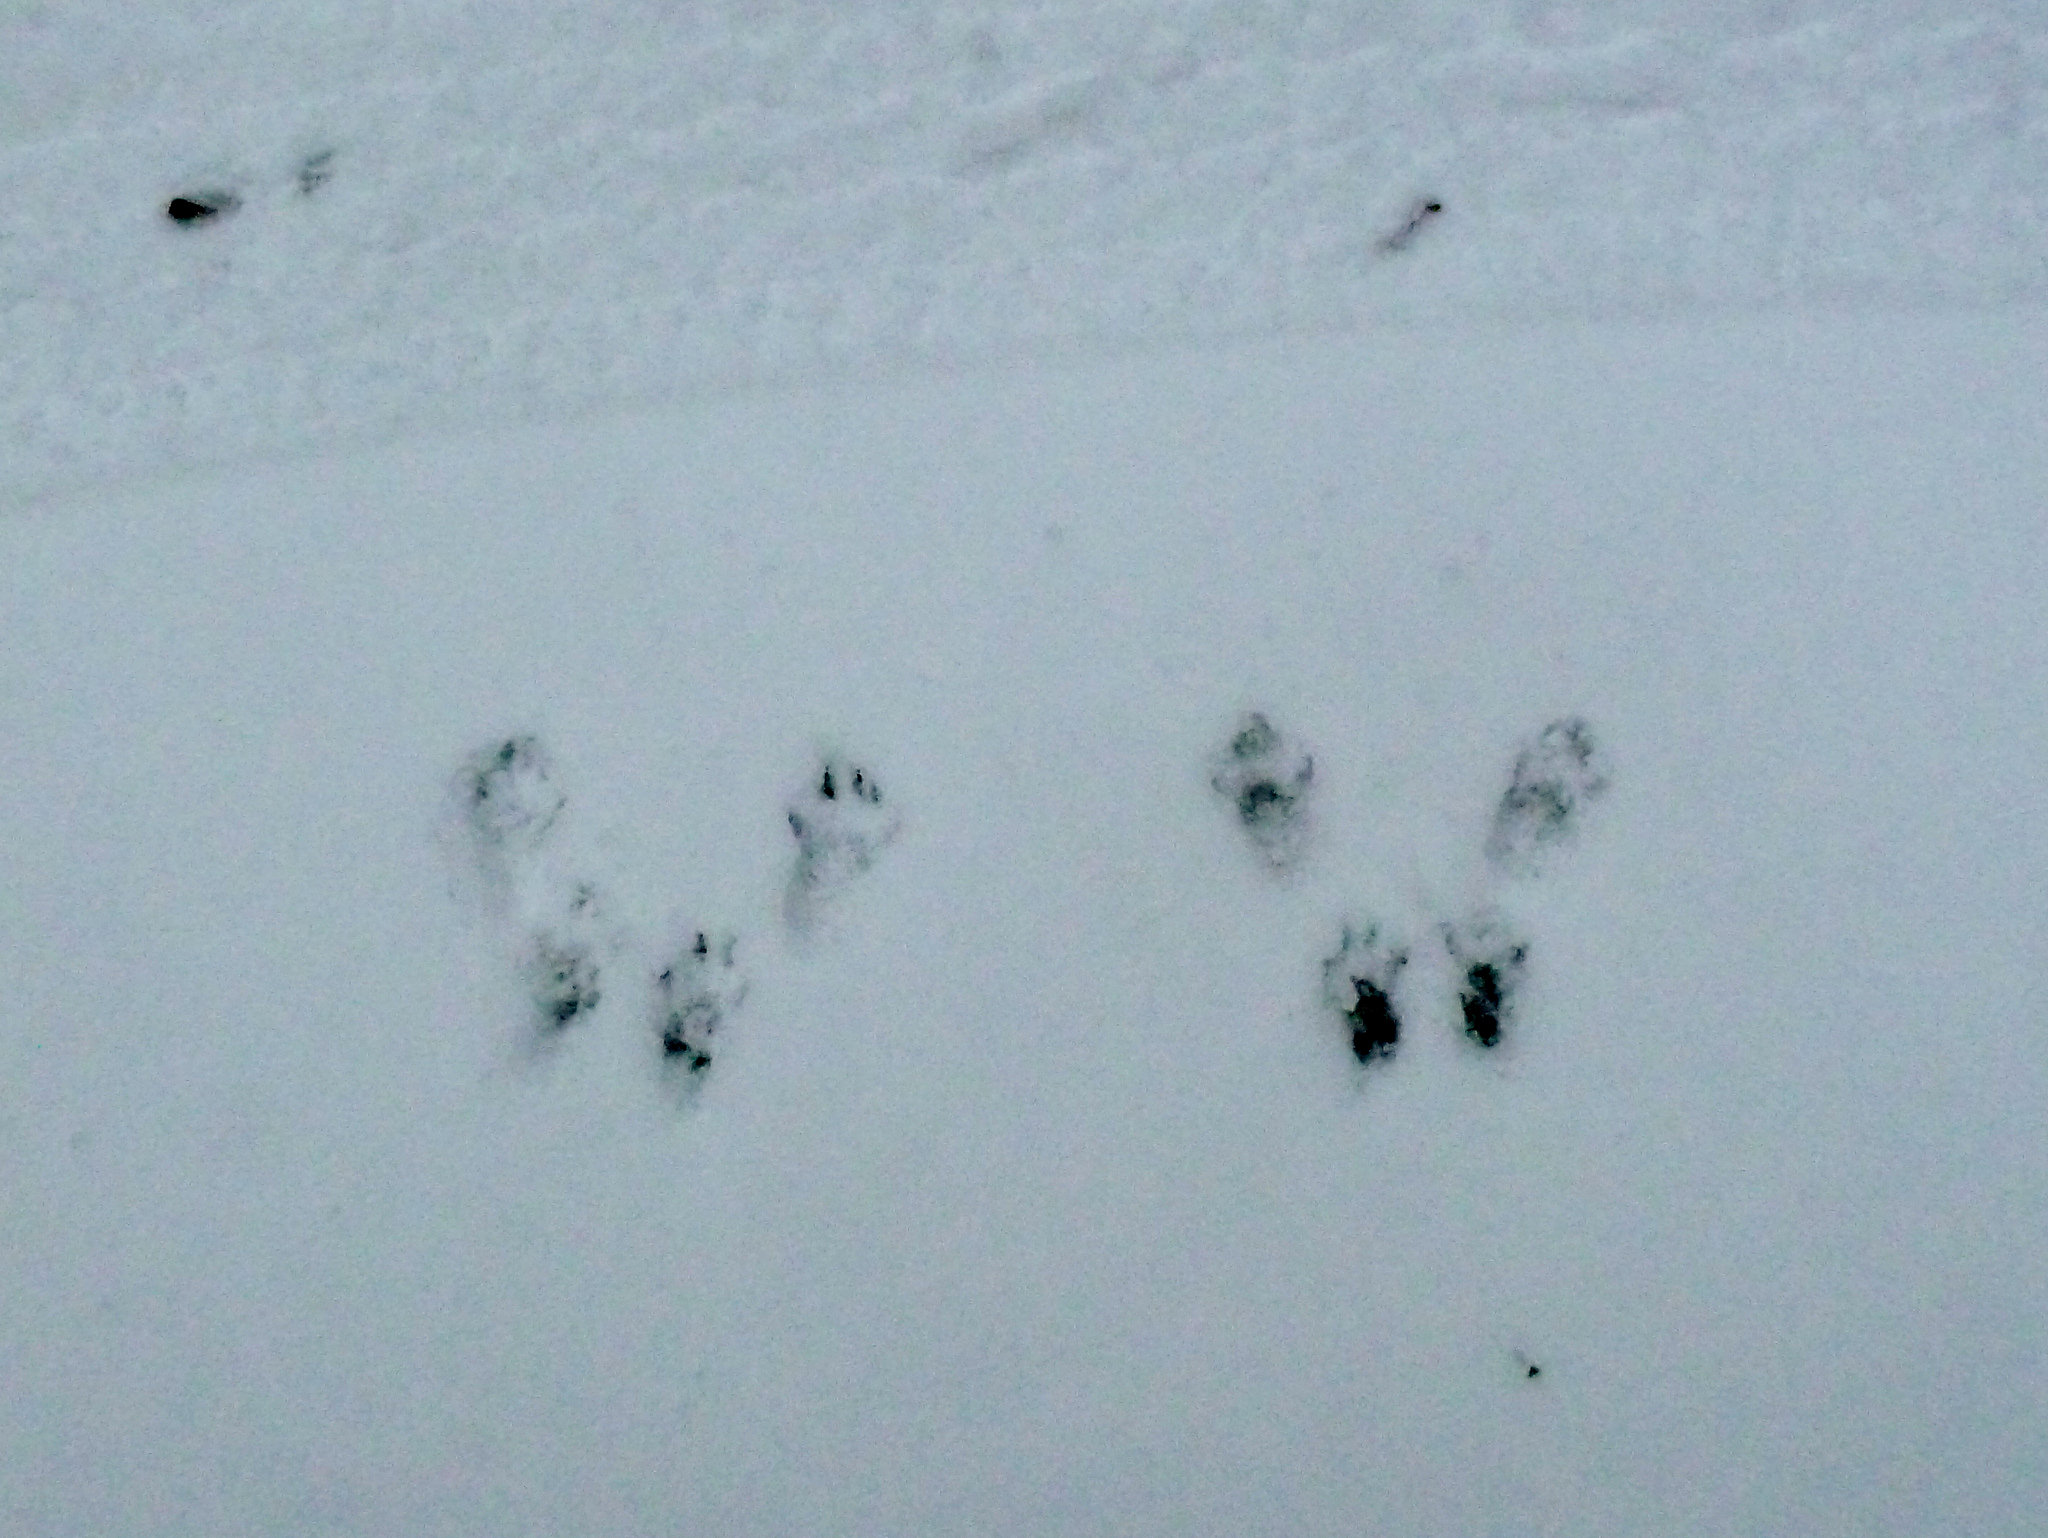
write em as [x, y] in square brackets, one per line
[655, 411]
[533, 209]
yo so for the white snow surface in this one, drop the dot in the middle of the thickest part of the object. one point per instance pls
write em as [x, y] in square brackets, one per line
[1007, 404]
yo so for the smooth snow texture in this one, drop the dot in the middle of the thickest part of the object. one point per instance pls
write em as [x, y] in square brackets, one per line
[457, 213]
[1035, 1187]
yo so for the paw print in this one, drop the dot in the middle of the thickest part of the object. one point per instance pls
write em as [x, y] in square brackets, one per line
[1267, 782]
[1555, 776]
[564, 976]
[695, 995]
[554, 923]
[1489, 959]
[564, 979]
[840, 828]
[1358, 982]
[512, 796]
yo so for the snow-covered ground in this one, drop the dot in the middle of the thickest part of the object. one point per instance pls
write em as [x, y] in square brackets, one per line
[438, 592]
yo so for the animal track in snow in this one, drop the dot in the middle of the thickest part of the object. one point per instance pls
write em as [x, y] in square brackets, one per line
[1488, 957]
[512, 796]
[1359, 982]
[1555, 776]
[512, 805]
[695, 994]
[562, 966]
[840, 827]
[1267, 781]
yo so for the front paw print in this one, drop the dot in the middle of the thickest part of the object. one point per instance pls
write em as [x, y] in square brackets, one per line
[1266, 779]
[1555, 777]
[840, 828]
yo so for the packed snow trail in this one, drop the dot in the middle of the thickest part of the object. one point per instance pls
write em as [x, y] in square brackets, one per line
[445, 219]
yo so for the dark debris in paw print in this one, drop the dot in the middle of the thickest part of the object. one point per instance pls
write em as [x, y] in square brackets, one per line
[1267, 782]
[1489, 959]
[696, 994]
[1358, 982]
[1554, 777]
[565, 982]
[200, 206]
